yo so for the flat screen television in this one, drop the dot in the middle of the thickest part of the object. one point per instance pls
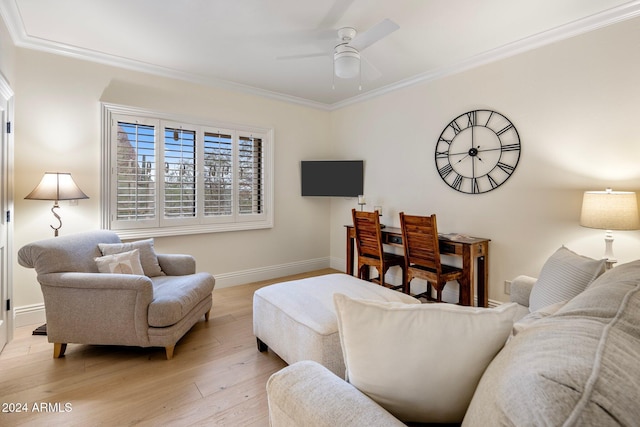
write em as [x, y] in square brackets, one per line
[332, 178]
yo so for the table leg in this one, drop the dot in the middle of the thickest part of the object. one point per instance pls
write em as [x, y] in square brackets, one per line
[466, 288]
[483, 277]
[349, 254]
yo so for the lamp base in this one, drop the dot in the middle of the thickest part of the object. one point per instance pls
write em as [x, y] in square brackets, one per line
[608, 251]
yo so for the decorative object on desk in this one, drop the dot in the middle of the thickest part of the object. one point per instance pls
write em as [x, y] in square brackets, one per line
[477, 151]
[610, 210]
[56, 186]
[378, 209]
[361, 201]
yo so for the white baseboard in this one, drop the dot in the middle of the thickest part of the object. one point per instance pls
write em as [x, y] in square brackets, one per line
[225, 280]
[449, 294]
[34, 313]
[29, 315]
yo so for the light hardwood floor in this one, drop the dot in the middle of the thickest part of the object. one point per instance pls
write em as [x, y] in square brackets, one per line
[217, 375]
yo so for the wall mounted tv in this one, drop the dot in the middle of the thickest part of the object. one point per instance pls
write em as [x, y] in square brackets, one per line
[332, 178]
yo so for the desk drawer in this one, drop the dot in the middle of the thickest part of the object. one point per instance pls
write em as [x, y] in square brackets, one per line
[393, 239]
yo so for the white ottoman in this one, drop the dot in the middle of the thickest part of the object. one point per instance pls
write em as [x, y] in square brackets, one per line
[297, 319]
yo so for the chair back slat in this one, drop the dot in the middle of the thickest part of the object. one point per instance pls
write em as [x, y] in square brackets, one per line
[420, 240]
[368, 233]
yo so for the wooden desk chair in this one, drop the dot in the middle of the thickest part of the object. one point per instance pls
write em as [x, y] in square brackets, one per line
[422, 256]
[370, 250]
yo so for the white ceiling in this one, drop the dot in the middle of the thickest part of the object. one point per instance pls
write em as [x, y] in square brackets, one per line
[236, 43]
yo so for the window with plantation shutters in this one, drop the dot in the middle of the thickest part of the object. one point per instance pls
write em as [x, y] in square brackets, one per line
[179, 175]
[250, 175]
[218, 177]
[165, 176]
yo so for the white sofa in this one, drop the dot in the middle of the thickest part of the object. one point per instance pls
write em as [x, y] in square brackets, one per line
[574, 365]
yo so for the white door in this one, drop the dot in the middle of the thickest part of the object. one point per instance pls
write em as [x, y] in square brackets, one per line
[6, 213]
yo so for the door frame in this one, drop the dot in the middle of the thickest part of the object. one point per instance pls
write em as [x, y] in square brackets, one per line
[6, 193]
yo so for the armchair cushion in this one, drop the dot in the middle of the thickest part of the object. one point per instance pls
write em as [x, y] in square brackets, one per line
[563, 276]
[148, 257]
[413, 359]
[122, 263]
[175, 296]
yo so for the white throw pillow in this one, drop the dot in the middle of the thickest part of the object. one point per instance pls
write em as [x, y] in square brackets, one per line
[148, 257]
[563, 276]
[421, 362]
[121, 263]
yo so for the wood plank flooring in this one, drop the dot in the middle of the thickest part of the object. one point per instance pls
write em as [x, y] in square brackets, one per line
[217, 375]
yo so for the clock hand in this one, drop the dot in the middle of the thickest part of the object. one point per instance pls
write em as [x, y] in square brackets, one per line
[463, 158]
[490, 149]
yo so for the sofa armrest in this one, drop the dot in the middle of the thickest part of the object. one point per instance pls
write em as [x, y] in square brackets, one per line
[306, 393]
[97, 308]
[177, 264]
[521, 288]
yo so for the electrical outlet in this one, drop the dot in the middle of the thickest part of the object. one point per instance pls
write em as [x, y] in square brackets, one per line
[507, 287]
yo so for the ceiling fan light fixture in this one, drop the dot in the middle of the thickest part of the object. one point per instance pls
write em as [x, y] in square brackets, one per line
[346, 62]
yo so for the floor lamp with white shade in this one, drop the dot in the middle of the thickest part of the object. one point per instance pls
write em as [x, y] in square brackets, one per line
[55, 186]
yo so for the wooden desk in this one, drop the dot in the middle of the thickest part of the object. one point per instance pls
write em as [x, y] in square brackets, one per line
[473, 250]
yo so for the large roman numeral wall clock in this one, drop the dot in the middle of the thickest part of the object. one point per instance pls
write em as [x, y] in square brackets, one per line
[477, 152]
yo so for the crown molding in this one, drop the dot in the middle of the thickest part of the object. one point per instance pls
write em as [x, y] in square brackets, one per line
[13, 21]
[609, 17]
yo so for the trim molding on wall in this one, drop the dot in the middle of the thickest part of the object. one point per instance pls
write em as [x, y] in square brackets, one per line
[608, 17]
[29, 315]
[34, 313]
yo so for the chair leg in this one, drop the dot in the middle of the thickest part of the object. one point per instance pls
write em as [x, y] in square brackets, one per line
[206, 316]
[58, 349]
[169, 351]
[405, 285]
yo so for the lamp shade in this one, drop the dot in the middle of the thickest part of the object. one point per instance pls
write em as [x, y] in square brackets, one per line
[346, 62]
[610, 210]
[56, 186]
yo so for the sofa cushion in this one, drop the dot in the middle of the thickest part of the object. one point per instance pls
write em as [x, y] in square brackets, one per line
[148, 257]
[420, 362]
[175, 296]
[563, 276]
[576, 367]
[122, 263]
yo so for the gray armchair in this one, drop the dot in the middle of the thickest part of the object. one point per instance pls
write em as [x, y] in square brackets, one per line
[85, 306]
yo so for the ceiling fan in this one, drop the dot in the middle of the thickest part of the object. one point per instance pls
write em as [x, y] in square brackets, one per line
[346, 54]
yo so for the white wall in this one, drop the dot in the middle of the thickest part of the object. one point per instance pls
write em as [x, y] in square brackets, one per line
[7, 54]
[575, 105]
[58, 129]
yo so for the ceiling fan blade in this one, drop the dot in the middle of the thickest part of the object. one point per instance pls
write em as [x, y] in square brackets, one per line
[335, 13]
[369, 71]
[302, 56]
[373, 34]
